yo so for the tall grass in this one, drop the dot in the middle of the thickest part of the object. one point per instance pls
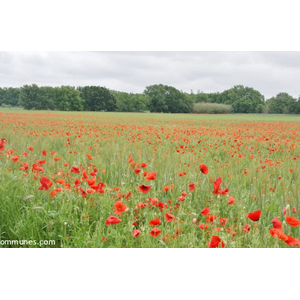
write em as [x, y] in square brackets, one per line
[256, 156]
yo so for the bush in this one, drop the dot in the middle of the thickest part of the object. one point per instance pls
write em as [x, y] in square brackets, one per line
[211, 108]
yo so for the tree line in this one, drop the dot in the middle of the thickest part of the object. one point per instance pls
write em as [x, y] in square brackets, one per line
[155, 98]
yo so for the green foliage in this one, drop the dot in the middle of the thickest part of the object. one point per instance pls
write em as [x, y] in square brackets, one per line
[283, 103]
[214, 98]
[97, 98]
[156, 98]
[163, 98]
[68, 98]
[47, 97]
[243, 99]
[296, 107]
[29, 96]
[131, 102]
[211, 108]
[201, 97]
[9, 96]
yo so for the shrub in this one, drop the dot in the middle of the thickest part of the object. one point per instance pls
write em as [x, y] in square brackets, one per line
[211, 108]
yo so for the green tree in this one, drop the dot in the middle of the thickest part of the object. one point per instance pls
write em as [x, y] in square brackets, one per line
[122, 100]
[283, 103]
[201, 97]
[68, 98]
[47, 96]
[9, 96]
[214, 98]
[97, 98]
[29, 96]
[156, 94]
[2, 96]
[243, 99]
[296, 106]
[163, 98]
[131, 102]
[140, 102]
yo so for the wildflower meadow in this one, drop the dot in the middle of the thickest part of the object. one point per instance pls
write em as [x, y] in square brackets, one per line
[144, 180]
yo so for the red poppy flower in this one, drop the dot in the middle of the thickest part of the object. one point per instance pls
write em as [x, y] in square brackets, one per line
[85, 175]
[203, 226]
[75, 170]
[155, 232]
[155, 222]
[166, 188]
[24, 167]
[36, 167]
[141, 205]
[2, 143]
[277, 233]
[205, 211]
[217, 190]
[276, 223]
[223, 192]
[169, 217]
[44, 153]
[210, 218]
[120, 207]
[41, 162]
[89, 156]
[215, 242]
[181, 174]
[223, 221]
[246, 228]
[231, 200]
[184, 194]
[137, 171]
[60, 181]
[144, 188]
[181, 198]
[15, 158]
[254, 216]
[151, 176]
[30, 148]
[136, 233]
[112, 220]
[192, 187]
[143, 165]
[291, 241]
[91, 181]
[292, 221]
[204, 169]
[55, 191]
[46, 184]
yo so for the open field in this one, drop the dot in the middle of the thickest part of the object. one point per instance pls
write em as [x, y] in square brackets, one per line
[149, 180]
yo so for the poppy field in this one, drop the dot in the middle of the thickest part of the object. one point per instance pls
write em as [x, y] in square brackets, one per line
[137, 180]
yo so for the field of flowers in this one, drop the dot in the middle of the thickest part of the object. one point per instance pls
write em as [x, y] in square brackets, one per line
[150, 180]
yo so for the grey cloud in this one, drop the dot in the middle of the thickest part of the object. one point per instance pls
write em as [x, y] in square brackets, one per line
[267, 72]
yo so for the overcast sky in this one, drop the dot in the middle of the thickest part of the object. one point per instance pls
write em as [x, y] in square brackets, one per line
[268, 72]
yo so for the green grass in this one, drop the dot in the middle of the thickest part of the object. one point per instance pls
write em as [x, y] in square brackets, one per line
[235, 147]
